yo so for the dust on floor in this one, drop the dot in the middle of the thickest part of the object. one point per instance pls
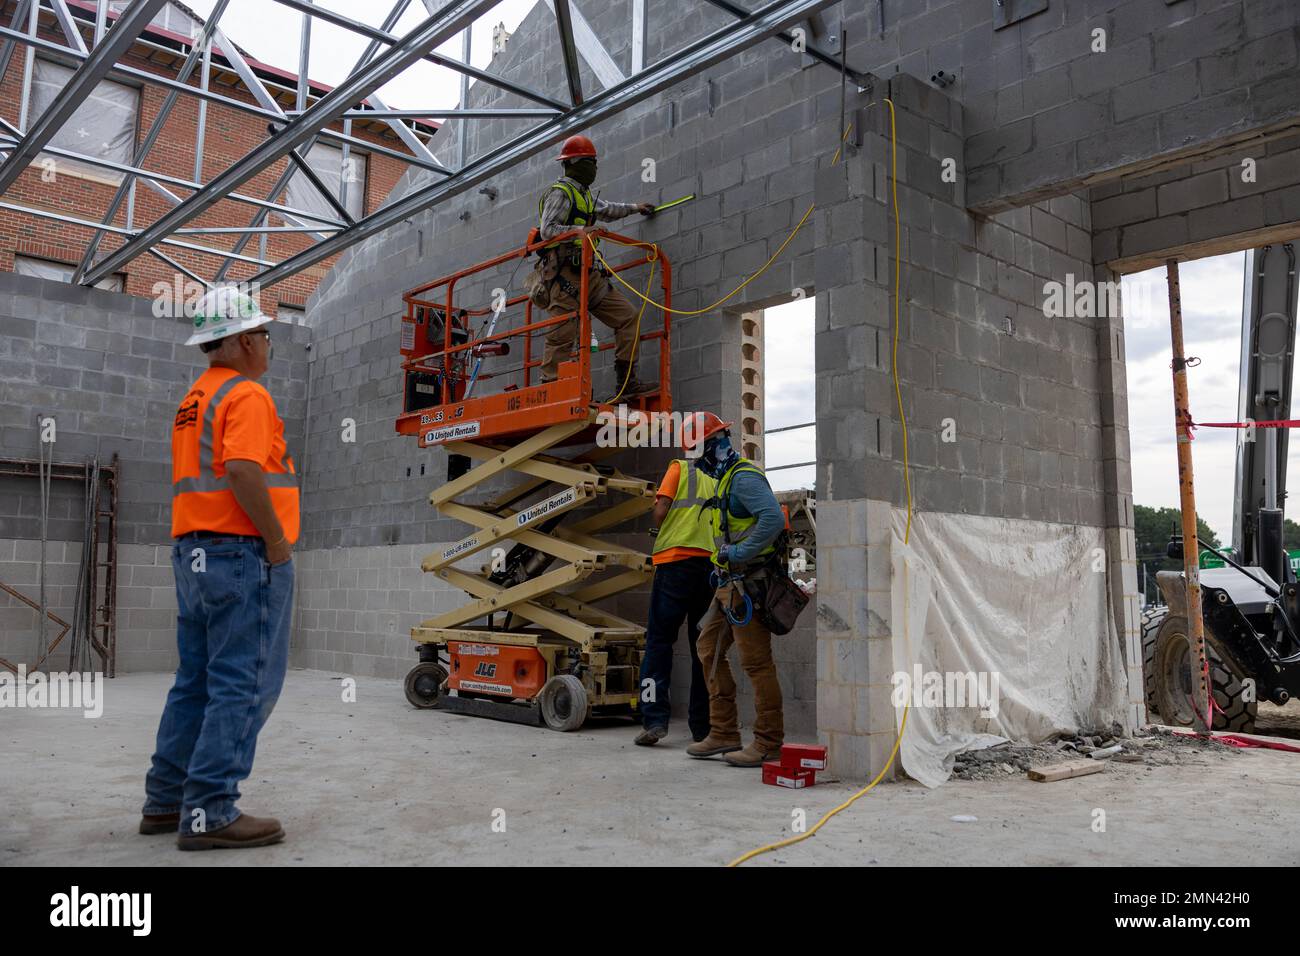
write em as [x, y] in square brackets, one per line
[376, 781]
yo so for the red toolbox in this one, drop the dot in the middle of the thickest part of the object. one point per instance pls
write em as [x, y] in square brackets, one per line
[779, 776]
[803, 757]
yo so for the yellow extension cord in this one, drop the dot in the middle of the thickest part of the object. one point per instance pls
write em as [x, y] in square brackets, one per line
[893, 754]
[898, 393]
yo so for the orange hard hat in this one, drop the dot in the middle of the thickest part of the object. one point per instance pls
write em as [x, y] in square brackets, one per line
[701, 426]
[576, 147]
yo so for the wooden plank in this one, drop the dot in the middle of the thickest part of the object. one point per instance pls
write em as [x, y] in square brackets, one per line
[1064, 771]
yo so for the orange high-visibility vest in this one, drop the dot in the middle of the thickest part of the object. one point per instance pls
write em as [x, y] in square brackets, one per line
[226, 416]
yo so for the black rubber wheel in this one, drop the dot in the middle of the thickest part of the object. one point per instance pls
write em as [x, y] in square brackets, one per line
[1152, 618]
[424, 683]
[1166, 676]
[564, 703]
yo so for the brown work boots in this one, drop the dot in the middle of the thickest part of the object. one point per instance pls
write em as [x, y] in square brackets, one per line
[712, 746]
[627, 385]
[246, 831]
[754, 755]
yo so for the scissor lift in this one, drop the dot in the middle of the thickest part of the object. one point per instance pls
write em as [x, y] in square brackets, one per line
[546, 653]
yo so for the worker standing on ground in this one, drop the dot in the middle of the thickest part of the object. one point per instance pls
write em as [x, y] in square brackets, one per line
[566, 204]
[745, 522]
[680, 591]
[234, 521]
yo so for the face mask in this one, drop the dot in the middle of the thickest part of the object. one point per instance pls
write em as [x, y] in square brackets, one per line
[715, 458]
[581, 171]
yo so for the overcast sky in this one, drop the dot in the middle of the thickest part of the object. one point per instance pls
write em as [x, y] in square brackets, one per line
[1212, 297]
[270, 32]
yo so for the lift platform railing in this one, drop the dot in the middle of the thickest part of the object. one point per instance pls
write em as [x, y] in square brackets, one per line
[447, 396]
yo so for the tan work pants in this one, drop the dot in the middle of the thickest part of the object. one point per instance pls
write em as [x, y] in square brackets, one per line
[755, 643]
[604, 303]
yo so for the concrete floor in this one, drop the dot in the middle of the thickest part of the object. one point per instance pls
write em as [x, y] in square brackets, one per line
[378, 782]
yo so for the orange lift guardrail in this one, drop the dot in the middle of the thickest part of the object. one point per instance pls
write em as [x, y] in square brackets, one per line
[447, 395]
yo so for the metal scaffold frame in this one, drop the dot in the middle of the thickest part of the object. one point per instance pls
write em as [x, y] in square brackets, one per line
[99, 55]
[94, 624]
[571, 615]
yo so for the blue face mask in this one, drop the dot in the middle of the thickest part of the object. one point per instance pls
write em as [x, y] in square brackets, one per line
[717, 456]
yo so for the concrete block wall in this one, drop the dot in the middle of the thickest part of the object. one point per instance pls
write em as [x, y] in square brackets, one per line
[1018, 393]
[146, 603]
[110, 373]
[1010, 412]
[1235, 197]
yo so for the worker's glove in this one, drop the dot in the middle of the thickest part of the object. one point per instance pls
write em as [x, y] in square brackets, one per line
[724, 554]
[646, 209]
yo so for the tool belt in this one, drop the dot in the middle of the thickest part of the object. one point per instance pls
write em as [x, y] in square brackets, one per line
[546, 276]
[777, 600]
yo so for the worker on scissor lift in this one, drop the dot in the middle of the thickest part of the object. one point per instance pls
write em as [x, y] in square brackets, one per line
[568, 203]
[746, 523]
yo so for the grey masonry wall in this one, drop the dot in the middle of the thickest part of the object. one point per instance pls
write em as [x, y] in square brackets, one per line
[110, 374]
[1010, 413]
[1235, 197]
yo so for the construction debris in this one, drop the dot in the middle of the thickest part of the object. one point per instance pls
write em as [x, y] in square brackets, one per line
[1153, 746]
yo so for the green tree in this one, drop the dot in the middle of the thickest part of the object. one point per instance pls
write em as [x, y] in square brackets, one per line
[1152, 528]
[1290, 534]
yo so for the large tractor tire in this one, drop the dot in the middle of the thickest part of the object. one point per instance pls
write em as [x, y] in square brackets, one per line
[1152, 618]
[1165, 648]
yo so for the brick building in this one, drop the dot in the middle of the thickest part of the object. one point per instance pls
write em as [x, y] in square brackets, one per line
[111, 126]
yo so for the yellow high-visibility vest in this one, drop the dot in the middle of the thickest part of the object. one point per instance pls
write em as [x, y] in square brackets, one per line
[738, 528]
[685, 525]
[582, 210]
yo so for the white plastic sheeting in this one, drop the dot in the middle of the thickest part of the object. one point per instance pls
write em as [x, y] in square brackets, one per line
[1017, 608]
[103, 125]
[326, 162]
[45, 269]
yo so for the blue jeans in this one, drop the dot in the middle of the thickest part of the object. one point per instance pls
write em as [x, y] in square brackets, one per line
[232, 631]
[680, 592]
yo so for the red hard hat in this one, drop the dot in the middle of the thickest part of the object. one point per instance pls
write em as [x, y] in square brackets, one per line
[706, 424]
[576, 147]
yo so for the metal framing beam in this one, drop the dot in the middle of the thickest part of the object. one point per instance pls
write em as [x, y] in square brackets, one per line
[10, 44]
[282, 181]
[454, 18]
[304, 167]
[638, 35]
[756, 27]
[202, 44]
[97, 65]
[568, 50]
[122, 231]
[128, 74]
[364, 114]
[817, 53]
[593, 51]
[156, 177]
[295, 130]
[68, 25]
[384, 36]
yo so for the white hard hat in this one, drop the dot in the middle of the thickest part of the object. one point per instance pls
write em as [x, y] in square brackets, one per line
[223, 311]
